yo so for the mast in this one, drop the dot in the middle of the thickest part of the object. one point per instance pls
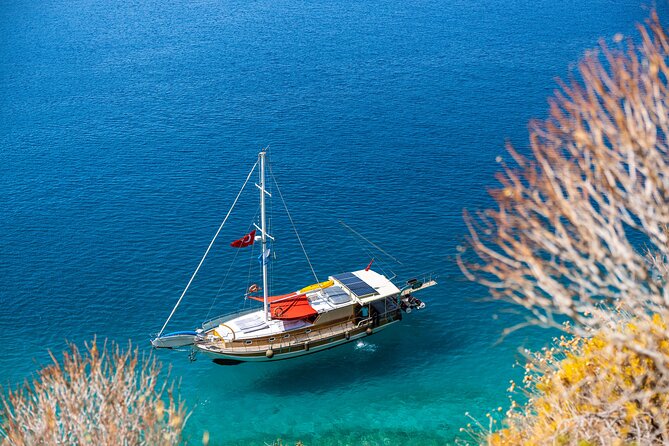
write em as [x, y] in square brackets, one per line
[263, 260]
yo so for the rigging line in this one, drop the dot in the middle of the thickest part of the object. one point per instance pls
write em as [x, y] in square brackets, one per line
[232, 263]
[269, 214]
[218, 293]
[368, 241]
[245, 300]
[251, 257]
[208, 249]
[293, 224]
[366, 249]
[378, 261]
[248, 276]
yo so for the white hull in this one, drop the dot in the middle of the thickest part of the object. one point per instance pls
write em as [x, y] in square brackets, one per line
[289, 355]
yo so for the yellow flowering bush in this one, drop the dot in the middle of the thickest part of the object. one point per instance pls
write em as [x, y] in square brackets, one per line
[592, 391]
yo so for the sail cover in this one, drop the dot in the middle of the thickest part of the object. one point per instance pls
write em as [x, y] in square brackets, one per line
[289, 306]
[293, 308]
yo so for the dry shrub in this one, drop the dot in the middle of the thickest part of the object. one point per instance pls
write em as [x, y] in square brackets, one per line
[101, 397]
[580, 231]
[560, 242]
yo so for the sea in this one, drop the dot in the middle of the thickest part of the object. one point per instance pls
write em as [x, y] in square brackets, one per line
[128, 128]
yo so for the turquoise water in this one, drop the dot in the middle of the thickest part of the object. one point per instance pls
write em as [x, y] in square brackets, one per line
[127, 128]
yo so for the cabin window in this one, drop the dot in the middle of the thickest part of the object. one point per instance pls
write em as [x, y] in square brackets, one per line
[248, 342]
[364, 311]
[272, 339]
[307, 331]
[286, 336]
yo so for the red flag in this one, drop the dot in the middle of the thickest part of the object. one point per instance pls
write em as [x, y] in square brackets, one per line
[247, 240]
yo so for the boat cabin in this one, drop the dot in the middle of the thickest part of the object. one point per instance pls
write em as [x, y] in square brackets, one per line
[351, 296]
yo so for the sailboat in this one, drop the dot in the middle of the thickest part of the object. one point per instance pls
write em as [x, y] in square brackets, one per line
[347, 306]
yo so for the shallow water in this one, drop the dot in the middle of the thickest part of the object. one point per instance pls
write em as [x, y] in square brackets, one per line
[127, 128]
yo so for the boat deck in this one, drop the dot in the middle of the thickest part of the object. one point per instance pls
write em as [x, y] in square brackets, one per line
[253, 325]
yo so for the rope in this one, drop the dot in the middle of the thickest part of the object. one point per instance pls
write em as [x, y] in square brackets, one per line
[227, 273]
[251, 258]
[293, 225]
[368, 241]
[207, 252]
[378, 260]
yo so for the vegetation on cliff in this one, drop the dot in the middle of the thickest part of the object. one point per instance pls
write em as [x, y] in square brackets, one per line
[580, 233]
[99, 396]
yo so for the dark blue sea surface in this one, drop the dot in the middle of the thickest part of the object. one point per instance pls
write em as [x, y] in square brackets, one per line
[127, 128]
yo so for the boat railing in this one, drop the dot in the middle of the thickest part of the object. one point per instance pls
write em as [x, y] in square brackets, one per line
[363, 322]
[424, 277]
[215, 322]
[384, 316]
[418, 282]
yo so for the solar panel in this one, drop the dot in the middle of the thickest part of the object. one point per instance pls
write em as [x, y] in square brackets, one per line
[346, 277]
[356, 285]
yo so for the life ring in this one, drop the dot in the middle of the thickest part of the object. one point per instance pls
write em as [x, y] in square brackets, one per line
[254, 288]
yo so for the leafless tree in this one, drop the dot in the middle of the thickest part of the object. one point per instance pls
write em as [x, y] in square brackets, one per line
[579, 232]
[574, 220]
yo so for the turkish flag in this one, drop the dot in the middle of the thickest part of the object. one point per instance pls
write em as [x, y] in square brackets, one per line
[247, 240]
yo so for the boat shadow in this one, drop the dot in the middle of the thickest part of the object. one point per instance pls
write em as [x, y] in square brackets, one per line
[353, 364]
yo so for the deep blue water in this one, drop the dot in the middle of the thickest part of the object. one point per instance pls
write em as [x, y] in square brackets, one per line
[126, 129]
